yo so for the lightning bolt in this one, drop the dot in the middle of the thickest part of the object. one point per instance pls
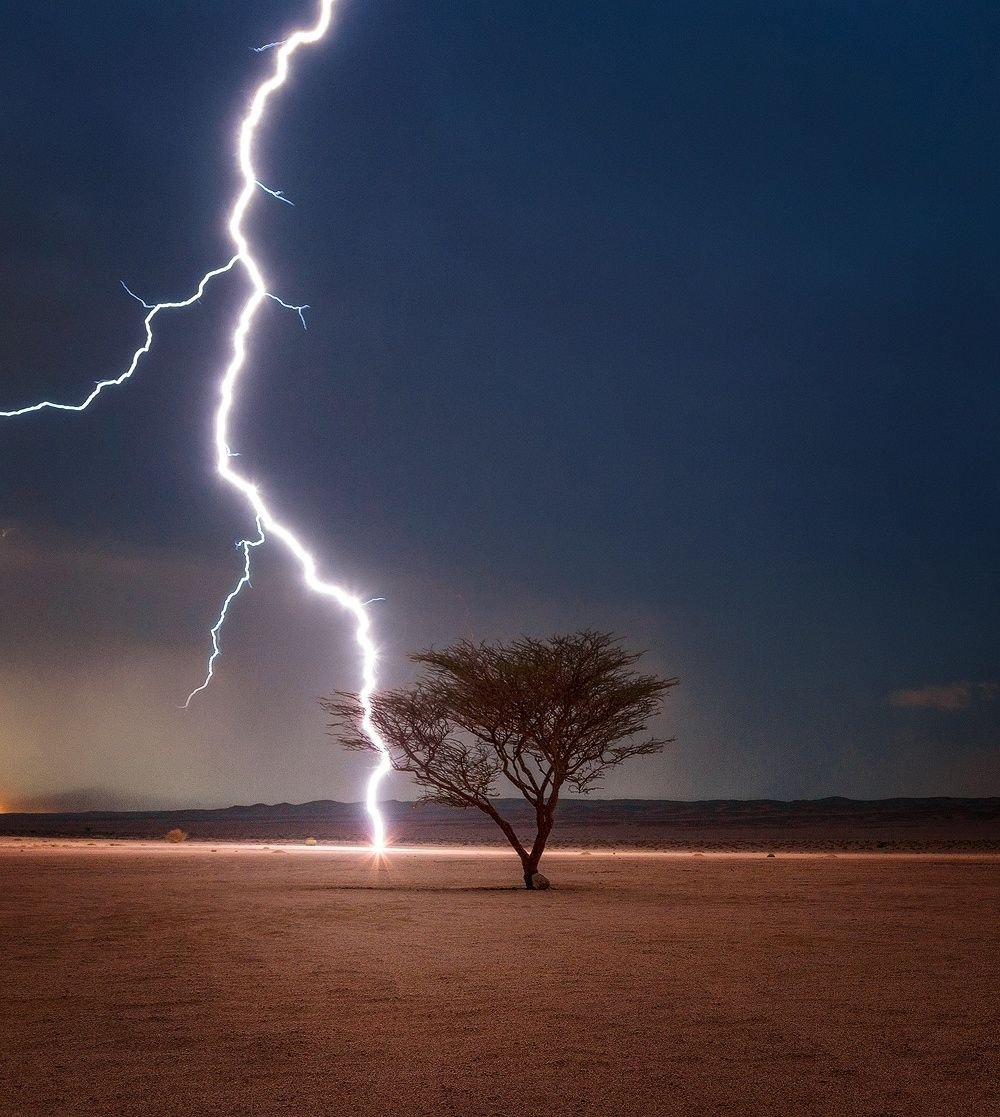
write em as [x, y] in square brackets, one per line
[245, 545]
[267, 520]
[137, 356]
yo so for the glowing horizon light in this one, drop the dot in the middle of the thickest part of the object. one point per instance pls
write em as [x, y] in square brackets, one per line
[267, 522]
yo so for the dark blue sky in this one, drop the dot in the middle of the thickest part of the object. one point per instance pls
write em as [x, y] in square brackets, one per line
[676, 319]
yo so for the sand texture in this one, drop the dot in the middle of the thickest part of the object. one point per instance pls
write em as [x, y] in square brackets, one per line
[200, 980]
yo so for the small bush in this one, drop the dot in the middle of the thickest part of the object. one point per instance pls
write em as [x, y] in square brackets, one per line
[176, 835]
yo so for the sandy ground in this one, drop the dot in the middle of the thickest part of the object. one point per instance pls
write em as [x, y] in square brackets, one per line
[142, 978]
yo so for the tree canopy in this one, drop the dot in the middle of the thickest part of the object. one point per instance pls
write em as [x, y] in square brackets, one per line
[544, 715]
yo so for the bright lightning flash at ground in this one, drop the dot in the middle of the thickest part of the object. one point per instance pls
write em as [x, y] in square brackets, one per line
[267, 521]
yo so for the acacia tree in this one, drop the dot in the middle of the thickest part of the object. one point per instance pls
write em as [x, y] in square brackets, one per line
[545, 715]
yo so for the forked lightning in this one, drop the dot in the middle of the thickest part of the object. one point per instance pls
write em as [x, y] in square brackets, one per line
[267, 521]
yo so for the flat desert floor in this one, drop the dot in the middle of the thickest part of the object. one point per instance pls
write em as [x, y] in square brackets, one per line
[197, 979]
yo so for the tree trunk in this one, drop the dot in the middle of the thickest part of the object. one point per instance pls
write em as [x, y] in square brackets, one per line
[530, 868]
[527, 859]
[530, 861]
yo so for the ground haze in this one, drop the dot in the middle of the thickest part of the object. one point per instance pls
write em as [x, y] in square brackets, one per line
[246, 979]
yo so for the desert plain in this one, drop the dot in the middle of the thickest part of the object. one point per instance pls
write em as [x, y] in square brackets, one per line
[228, 978]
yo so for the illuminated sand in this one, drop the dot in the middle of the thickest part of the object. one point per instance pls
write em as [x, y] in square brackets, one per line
[228, 979]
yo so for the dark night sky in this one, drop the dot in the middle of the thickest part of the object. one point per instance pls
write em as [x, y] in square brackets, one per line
[678, 319]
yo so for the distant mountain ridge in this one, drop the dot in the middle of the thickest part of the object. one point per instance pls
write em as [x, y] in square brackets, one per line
[661, 823]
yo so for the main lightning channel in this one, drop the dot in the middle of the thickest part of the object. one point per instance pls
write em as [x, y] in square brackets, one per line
[267, 522]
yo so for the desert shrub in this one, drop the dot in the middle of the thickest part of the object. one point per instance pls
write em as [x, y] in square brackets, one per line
[176, 835]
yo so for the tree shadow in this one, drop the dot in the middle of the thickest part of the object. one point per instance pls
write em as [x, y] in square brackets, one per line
[450, 888]
[414, 888]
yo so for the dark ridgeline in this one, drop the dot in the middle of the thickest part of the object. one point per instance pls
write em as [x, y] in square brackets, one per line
[715, 824]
